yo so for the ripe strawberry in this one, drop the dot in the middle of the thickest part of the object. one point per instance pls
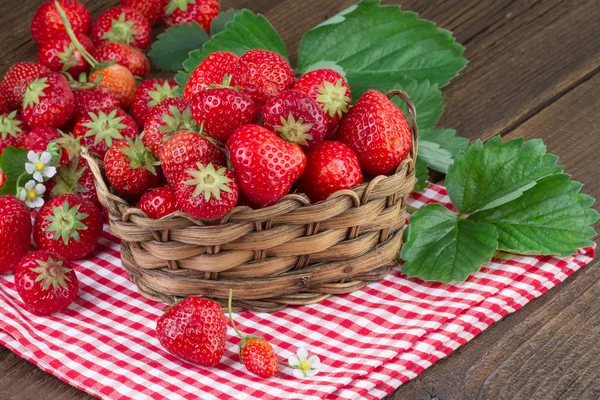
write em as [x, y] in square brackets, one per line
[206, 192]
[60, 55]
[166, 119]
[330, 166]
[38, 139]
[211, 71]
[185, 148]
[15, 232]
[76, 178]
[48, 101]
[378, 132]
[12, 130]
[152, 10]
[90, 98]
[129, 57]
[68, 226]
[187, 11]
[194, 330]
[265, 165]
[120, 81]
[3, 107]
[263, 74]
[331, 92]
[159, 202]
[47, 23]
[122, 25]
[149, 94]
[131, 167]
[15, 82]
[46, 282]
[221, 111]
[255, 352]
[296, 118]
[98, 130]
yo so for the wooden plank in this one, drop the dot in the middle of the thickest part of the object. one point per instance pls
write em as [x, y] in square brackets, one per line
[550, 347]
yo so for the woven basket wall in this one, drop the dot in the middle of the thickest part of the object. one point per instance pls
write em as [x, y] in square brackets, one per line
[291, 253]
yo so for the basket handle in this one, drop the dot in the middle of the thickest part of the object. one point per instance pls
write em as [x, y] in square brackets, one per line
[412, 111]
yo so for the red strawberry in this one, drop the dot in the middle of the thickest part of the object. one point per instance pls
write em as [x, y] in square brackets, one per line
[149, 94]
[15, 232]
[131, 167]
[48, 101]
[46, 22]
[60, 55]
[166, 119]
[123, 25]
[131, 58]
[378, 132]
[38, 139]
[187, 11]
[12, 130]
[263, 74]
[76, 178]
[185, 148]
[265, 165]
[194, 330]
[152, 10]
[207, 192]
[46, 282]
[90, 98]
[221, 111]
[159, 202]
[3, 107]
[331, 92]
[296, 117]
[211, 71]
[68, 226]
[255, 352]
[119, 80]
[330, 166]
[99, 130]
[2, 179]
[15, 82]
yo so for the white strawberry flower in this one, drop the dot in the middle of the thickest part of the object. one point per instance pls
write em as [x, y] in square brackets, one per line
[39, 167]
[304, 366]
[33, 194]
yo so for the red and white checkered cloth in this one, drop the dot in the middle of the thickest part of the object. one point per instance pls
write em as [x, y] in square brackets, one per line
[369, 342]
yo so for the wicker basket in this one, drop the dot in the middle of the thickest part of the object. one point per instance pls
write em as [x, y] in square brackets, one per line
[291, 253]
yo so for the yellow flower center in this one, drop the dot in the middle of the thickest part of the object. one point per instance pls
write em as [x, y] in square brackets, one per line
[39, 166]
[31, 194]
[305, 366]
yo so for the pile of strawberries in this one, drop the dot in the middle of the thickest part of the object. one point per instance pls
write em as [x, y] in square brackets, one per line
[246, 131]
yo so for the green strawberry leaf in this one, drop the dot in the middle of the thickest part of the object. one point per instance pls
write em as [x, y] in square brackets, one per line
[442, 247]
[446, 138]
[434, 156]
[375, 43]
[550, 218]
[489, 175]
[12, 164]
[219, 23]
[422, 175]
[246, 31]
[173, 46]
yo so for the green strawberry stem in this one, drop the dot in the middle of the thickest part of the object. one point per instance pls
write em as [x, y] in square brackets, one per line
[88, 57]
[231, 315]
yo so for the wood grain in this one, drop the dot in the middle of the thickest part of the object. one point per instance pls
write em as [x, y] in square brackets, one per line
[532, 73]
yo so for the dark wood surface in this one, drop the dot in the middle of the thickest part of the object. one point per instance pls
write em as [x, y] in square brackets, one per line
[533, 72]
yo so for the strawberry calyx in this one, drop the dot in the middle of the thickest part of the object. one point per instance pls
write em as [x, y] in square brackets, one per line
[9, 125]
[52, 273]
[70, 144]
[175, 5]
[333, 98]
[81, 82]
[68, 57]
[66, 222]
[139, 156]
[294, 131]
[35, 91]
[69, 29]
[177, 121]
[160, 93]
[67, 180]
[105, 127]
[226, 84]
[245, 338]
[121, 31]
[208, 181]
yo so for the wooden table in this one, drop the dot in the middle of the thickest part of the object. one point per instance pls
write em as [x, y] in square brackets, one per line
[533, 72]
